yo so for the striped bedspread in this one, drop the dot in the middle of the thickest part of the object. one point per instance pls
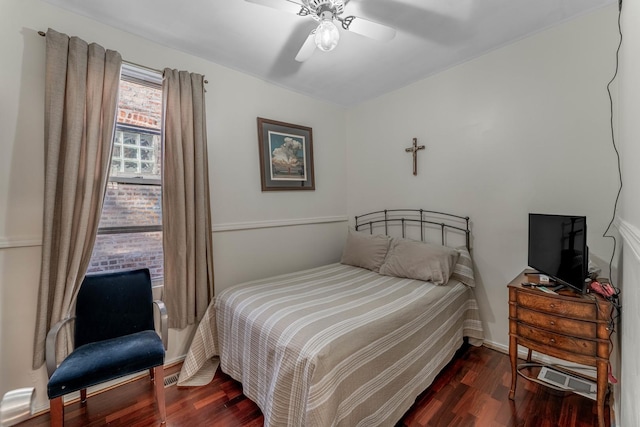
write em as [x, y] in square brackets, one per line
[333, 346]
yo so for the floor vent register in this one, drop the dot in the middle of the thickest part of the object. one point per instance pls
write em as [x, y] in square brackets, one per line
[172, 379]
[568, 382]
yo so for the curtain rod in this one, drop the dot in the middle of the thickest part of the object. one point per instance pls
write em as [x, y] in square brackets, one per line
[43, 34]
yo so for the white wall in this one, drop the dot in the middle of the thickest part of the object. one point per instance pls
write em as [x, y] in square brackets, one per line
[255, 233]
[629, 125]
[522, 129]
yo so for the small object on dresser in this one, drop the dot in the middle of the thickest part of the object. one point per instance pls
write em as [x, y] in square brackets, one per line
[547, 290]
[603, 289]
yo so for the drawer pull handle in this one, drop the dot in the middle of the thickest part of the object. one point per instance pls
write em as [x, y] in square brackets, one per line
[552, 323]
[553, 340]
[552, 306]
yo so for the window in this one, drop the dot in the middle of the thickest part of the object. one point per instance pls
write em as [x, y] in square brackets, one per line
[130, 229]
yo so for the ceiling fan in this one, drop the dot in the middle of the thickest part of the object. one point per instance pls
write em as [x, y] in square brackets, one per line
[327, 12]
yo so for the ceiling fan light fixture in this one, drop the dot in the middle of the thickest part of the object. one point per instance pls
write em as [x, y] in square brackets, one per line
[327, 36]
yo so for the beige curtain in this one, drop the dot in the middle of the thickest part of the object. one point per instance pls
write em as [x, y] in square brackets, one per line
[81, 90]
[186, 217]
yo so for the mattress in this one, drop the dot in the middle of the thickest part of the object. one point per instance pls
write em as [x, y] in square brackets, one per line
[333, 346]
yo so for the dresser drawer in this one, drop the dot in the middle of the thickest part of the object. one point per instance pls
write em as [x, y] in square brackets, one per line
[563, 325]
[570, 344]
[554, 305]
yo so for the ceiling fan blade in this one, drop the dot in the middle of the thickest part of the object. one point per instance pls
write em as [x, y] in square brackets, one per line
[368, 28]
[289, 6]
[308, 47]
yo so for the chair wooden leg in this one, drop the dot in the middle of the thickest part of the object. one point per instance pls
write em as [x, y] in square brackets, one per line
[83, 396]
[151, 373]
[56, 412]
[159, 379]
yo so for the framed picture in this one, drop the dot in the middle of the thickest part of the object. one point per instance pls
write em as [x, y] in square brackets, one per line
[286, 156]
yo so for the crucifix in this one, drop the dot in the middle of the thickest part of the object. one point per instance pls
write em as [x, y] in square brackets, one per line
[414, 149]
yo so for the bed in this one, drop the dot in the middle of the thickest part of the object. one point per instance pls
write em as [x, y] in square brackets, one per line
[351, 343]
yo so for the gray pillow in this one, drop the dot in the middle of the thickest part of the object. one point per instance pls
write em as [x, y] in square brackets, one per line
[365, 250]
[418, 260]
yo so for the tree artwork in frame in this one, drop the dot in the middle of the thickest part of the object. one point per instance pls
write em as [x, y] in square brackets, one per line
[286, 156]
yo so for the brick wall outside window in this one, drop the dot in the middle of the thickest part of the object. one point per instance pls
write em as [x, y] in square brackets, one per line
[131, 204]
[114, 252]
[139, 106]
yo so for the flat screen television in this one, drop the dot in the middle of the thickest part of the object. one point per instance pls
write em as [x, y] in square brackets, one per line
[558, 248]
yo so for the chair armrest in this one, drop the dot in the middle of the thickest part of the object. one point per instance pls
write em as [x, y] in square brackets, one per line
[50, 348]
[164, 318]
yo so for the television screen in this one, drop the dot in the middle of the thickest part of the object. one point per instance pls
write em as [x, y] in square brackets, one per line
[558, 248]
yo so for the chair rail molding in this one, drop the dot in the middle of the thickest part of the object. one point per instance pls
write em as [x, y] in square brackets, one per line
[7, 242]
[631, 235]
[252, 225]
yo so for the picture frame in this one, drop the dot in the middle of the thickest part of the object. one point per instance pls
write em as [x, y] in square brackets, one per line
[286, 156]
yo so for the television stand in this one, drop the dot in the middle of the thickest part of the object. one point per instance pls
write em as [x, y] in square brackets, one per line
[569, 326]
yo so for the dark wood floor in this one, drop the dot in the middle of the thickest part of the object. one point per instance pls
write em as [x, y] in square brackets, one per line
[471, 391]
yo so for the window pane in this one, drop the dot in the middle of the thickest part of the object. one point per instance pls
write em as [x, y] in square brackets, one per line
[146, 168]
[142, 160]
[131, 167]
[146, 154]
[113, 252]
[131, 205]
[115, 166]
[146, 140]
[130, 153]
[131, 138]
[137, 153]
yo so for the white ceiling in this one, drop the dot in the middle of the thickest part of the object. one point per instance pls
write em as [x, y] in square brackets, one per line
[432, 35]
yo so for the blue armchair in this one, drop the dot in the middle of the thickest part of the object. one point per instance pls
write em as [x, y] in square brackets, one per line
[114, 336]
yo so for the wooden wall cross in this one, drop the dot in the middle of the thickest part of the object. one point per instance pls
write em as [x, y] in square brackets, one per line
[414, 149]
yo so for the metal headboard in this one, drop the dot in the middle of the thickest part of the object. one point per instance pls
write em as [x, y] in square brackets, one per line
[424, 219]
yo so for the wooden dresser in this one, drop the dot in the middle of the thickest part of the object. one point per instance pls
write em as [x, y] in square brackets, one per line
[567, 326]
